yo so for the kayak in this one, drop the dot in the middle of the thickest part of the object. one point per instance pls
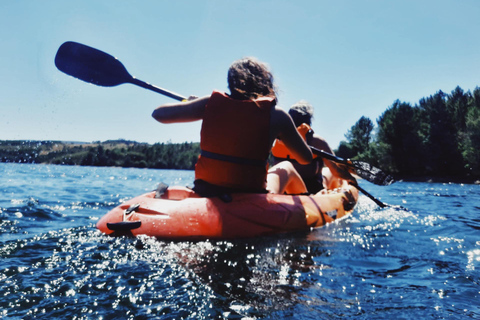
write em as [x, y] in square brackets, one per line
[178, 213]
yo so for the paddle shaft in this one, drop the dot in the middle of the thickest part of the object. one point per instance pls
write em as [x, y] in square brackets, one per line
[333, 158]
[149, 86]
[378, 202]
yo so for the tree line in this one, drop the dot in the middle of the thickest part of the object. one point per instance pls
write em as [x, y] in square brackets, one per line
[438, 137]
[119, 153]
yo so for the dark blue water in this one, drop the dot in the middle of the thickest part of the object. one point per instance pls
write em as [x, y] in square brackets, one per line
[422, 262]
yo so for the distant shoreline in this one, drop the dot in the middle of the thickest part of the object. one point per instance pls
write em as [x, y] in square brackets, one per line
[430, 179]
[111, 153]
[132, 154]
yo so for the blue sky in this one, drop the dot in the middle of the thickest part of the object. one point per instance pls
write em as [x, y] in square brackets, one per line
[349, 58]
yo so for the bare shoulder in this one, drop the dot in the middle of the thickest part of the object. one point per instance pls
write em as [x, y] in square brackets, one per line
[281, 124]
[280, 117]
[318, 138]
[320, 143]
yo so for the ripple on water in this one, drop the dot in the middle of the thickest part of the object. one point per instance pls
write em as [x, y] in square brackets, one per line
[81, 272]
[376, 264]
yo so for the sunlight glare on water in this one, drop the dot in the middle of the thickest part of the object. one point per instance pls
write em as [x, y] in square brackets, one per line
[417, 262]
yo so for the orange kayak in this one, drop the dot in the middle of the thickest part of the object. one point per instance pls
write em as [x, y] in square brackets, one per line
[180, 214]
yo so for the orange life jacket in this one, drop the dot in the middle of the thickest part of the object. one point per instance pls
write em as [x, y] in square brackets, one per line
[281, 151]
[235, 142]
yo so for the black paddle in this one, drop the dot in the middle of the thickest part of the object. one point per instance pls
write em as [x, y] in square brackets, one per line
[100, 68]
[378, 202]
[362, 169]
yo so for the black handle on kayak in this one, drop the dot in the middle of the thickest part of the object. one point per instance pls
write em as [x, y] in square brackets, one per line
[97, 67]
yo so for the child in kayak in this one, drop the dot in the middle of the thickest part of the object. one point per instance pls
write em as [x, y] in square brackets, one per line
[314, 174]
[238, 131]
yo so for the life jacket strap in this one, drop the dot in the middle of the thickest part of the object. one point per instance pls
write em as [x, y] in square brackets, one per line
[233, 159]
[284, 159]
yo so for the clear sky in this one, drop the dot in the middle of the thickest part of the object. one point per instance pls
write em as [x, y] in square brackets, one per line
[349, 58]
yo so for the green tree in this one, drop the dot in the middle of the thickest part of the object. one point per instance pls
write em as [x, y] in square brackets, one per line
[345, 150]
[398, 144]
[440, 133]
[358, 140]
[457, 106]
[359, 135]
[470, 141]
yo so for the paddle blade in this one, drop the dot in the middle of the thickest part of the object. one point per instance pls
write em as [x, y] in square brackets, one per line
[372, 174]
[91, 65]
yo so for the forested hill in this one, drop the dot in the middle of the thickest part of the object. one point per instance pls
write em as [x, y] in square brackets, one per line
[120, 153]
[438, 137]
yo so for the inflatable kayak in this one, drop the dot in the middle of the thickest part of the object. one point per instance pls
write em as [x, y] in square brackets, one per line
[178, 213]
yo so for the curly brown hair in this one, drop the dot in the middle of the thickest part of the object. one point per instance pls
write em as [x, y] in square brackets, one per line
[250, 79]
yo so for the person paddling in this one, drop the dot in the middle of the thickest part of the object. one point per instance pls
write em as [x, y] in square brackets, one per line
[237, 134]
[314, 174]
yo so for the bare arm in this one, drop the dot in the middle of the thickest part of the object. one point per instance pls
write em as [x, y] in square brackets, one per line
[187, 111]
[282, 127]
[320, 143]
[338, 171]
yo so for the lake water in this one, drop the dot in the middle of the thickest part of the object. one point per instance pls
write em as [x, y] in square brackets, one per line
[421, 261]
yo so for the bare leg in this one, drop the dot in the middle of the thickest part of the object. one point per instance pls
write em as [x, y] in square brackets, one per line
[284, 178]
[331, 182]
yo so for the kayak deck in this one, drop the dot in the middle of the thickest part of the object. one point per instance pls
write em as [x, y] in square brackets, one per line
[181, 214]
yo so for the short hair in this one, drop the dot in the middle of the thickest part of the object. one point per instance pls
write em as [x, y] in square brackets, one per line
[301, 112]
[249, 78]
